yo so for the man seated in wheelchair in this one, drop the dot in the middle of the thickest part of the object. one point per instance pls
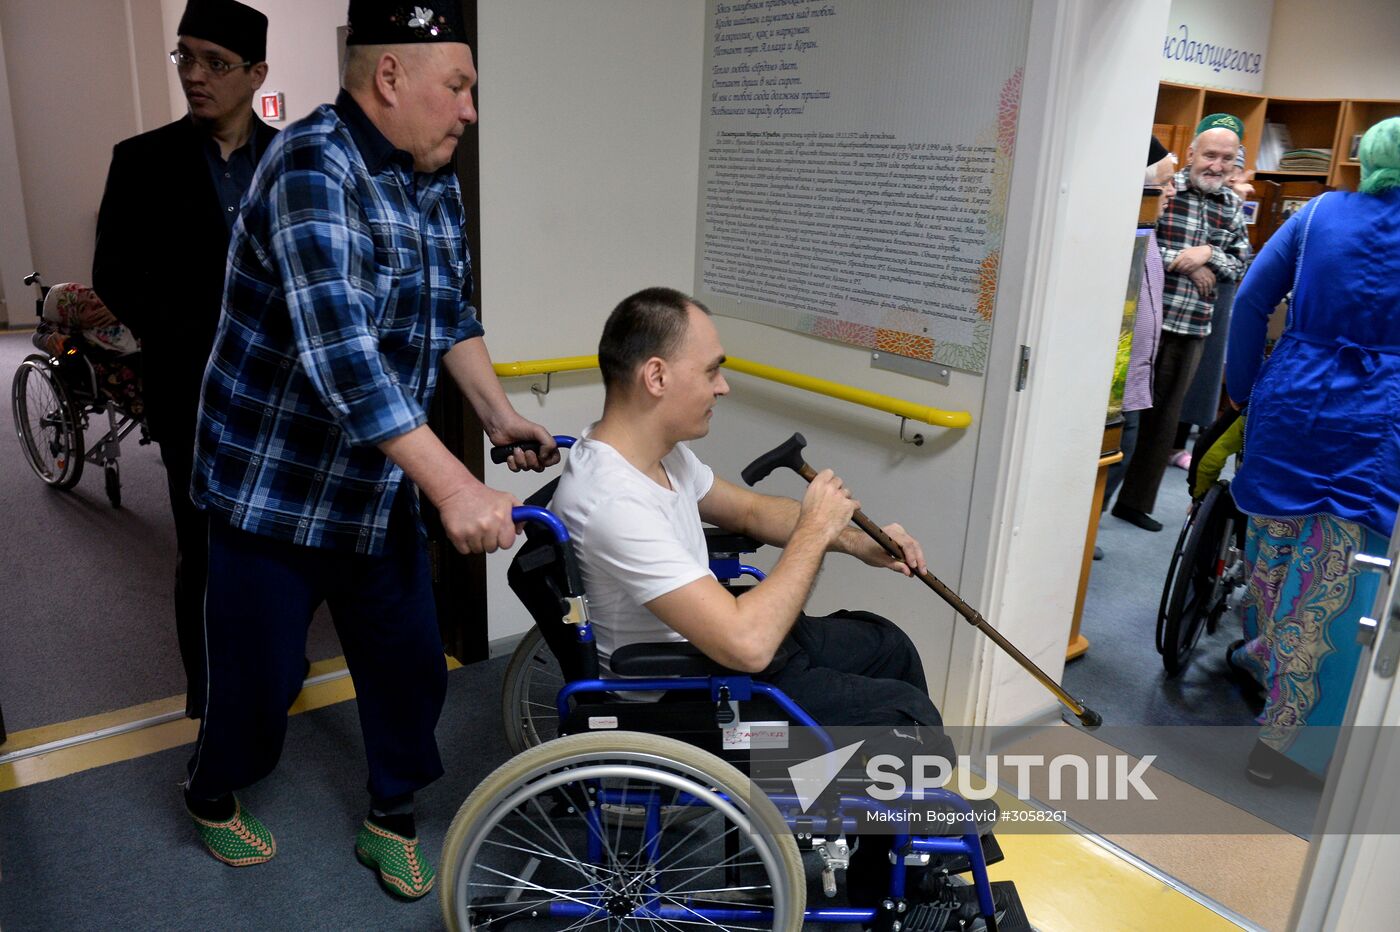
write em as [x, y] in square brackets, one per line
[78, 331]
[634, 497]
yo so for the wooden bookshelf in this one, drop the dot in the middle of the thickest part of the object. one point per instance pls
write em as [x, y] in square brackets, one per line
[1312, 123]
[1357, 117]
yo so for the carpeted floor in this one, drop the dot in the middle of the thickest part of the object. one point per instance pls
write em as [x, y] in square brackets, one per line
[112, 848]
[1200, 720]
[88, 604]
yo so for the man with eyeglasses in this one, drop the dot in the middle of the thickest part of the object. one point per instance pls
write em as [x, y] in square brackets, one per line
[163, 231]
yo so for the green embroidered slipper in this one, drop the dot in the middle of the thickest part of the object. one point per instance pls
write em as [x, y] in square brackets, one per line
[402, 870]
[240, 841]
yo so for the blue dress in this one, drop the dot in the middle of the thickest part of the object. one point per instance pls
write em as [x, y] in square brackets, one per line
[1321, 469]
[1323, 435]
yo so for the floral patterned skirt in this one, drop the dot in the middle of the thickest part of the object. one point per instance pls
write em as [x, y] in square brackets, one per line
[1301, 615]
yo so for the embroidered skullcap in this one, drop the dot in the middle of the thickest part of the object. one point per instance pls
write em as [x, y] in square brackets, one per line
[388, 22]
[1380, 157]
[1222, 121]
[236, 26]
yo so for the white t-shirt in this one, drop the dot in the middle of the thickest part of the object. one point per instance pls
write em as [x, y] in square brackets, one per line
[635, 540]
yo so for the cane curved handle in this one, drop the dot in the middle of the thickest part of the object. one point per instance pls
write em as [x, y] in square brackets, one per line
[788, 453]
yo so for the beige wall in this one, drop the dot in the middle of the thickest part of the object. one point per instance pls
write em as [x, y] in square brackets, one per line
[71, 97]
[1342, 48]
[16, 258]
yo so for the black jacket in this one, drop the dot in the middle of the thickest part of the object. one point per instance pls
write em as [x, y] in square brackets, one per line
[162, 250]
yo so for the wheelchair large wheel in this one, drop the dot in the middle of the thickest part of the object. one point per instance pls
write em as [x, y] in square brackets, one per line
[532, 681]
[529, 849]
[48, 423]
[1198, 580]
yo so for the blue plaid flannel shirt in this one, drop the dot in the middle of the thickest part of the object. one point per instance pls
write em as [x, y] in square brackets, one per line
[348, 280]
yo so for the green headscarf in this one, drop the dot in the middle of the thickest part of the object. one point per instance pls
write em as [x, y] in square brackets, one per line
[1380, 157]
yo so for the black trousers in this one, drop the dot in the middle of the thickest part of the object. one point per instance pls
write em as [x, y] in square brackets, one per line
[191, 561]
[1177, 359]
[261, 596]
[1132, 420]
[857, 668]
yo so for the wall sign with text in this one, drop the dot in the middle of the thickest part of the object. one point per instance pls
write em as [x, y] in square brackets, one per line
[855, 168]
[1218, 44]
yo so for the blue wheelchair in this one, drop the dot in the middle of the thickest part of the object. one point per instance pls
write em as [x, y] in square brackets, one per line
[631, 805]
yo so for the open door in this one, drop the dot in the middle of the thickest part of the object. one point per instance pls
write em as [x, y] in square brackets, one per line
[459, 581]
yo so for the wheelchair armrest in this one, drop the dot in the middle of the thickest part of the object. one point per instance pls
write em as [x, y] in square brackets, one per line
[719, 541]
[665, 659]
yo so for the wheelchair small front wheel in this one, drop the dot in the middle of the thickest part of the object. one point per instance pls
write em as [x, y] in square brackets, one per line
[529, 847]
[48, 423]
[112, 477]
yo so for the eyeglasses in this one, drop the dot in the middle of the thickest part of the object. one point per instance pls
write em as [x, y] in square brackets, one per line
[217, 67]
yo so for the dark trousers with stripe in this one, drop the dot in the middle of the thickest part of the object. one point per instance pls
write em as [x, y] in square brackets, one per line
[259, 600]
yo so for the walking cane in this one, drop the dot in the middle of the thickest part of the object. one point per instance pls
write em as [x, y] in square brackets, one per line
[789, 454]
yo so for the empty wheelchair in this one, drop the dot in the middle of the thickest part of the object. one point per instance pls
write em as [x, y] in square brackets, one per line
[1208, 564]
[89, 367]
[646, 814]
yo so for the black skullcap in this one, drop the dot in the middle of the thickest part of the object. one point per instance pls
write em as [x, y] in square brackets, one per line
[390, 22]
[1156, 152]
[236, 26]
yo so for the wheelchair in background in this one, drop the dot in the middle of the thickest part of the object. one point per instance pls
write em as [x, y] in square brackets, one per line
[632, 802]
[1207, 566]
[90, 367]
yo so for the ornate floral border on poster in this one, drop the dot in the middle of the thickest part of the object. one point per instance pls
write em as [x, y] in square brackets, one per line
[857, 166]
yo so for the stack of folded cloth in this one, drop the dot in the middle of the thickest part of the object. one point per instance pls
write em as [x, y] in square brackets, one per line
[1306, 160]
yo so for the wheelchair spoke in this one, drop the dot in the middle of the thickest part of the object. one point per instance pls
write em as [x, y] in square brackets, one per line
[522, 884]
[633, 836]
[563, 859]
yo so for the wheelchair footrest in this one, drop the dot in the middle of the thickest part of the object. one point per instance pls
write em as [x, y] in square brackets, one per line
[952, 916]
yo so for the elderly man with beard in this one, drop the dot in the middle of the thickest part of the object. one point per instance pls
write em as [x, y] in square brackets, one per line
[1204, 240]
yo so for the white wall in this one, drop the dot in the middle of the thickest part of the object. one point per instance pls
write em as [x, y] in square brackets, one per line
[590, 129]
[1342, 48]
[1079, 233]
[16, 257]
[69, 70]
[588, 194]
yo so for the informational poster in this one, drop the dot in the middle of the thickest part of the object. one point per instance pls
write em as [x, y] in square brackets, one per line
[855, 166]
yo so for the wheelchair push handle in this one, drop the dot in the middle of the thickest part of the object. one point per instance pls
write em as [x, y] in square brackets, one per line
[524, 514]
[499, 454]
[533, 514]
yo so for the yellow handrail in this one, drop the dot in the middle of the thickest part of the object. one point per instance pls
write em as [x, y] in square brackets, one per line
[924, 414]
[543, 366]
